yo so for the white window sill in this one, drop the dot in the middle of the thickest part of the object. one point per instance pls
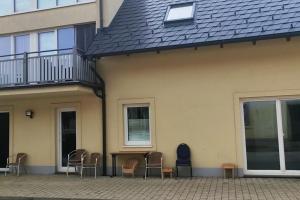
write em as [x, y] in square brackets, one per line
[137, 146]
[43, 9]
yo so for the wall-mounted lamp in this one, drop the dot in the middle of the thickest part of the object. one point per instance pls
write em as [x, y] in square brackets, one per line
[29, 113]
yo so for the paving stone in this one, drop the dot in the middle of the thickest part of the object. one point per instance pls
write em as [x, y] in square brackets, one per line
[60, 187]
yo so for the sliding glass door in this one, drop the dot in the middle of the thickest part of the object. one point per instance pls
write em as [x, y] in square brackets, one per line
[272, 137]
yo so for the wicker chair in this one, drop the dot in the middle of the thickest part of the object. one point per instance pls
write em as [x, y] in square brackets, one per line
[129, 167]
[18, 164]
[154, 160]
[74, 159]
[92, 163]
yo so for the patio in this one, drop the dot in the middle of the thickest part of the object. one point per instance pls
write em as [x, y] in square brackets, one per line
[62, 187]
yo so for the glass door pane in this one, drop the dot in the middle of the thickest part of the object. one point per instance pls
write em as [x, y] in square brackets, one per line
[47, 42]
[47, 70]
[68, 135]
[22, 45]
[5, 47]
[262, 148]
[291, 133]
[66, 39]
[4, 138]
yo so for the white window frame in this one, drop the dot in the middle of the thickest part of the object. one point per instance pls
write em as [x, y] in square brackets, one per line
[35, 7]
[136, 143]
[185, 4]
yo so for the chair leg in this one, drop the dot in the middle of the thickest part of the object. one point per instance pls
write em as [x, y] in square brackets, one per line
[162, 174]
[68, 169]
[145, 173]
[95, 172]
[81, 172]
[18, 172]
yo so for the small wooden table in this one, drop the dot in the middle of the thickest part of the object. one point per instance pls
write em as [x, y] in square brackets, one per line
[168, 170]
[115, 154]
[228, 166]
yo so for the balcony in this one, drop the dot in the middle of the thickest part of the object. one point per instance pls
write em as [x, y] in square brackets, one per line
[46, 68]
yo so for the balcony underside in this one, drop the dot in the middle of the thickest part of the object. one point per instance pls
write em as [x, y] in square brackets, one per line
[46, 91]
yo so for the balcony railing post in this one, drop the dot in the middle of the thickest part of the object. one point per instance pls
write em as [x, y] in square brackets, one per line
[75, 65]
[25, 68]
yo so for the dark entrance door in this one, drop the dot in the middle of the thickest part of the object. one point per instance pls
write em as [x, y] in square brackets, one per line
[4, 138]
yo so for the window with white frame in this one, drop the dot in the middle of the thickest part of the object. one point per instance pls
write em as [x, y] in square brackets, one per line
[137, 125]
[8, 7]
[181, 11]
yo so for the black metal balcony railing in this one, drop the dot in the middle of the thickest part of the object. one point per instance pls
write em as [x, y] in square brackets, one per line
[44, 67]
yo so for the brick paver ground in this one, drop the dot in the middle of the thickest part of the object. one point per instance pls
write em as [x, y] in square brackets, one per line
[60, 186]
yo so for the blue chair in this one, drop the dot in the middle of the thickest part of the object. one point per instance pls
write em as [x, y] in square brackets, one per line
[184, 158]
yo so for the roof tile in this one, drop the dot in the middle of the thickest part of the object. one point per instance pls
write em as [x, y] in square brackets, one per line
[139, 24]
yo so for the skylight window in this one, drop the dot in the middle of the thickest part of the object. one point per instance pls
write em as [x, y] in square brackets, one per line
[181, 11]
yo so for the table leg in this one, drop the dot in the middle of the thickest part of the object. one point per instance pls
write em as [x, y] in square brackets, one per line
[114, 165]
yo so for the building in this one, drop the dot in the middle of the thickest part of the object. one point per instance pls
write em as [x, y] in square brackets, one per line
[43, 72]
[221, 76]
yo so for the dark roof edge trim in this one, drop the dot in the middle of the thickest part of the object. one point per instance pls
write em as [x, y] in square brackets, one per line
[208, 43]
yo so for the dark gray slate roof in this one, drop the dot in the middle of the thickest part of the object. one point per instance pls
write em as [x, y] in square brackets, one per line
[139, 25]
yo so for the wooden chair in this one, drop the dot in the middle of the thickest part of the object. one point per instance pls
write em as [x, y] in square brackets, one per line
[92, 163]
[154, 160]
[18, 164]
[74, 159]
[129, 167]
[184, 158]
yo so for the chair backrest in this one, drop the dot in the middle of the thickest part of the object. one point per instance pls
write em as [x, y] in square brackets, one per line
[95, 158]
[78, 153]
[21, 158]
[183, 152]
[131, 164]
[154, 158]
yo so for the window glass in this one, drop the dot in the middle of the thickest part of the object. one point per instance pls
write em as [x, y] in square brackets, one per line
[66, 2]
[261, 136]
[291, 133]
[42, 4]
[22, 45]
[23, 5]
[47, 42]
[66, 39]
[5, 47]
[137, 125]
[85, 35]
[6, 7]
[178, 12]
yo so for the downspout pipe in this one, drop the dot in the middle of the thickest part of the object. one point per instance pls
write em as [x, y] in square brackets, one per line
[104, 138]
[100, 92]
[101, 14]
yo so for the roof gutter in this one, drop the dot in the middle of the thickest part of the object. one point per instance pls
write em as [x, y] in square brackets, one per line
[201, 44]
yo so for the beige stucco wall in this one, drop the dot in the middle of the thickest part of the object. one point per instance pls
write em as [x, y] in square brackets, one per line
[38, 136]
[197, 94]
[63, 16]
[110, 8]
